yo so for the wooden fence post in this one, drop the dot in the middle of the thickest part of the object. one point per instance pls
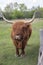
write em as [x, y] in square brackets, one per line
[40, 58]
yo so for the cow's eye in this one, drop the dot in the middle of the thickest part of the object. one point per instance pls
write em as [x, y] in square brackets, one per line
[24, 29]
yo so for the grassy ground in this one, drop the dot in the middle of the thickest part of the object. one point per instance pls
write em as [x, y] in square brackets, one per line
[7, 49]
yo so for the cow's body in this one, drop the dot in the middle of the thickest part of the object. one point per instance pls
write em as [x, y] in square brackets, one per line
[21, 32]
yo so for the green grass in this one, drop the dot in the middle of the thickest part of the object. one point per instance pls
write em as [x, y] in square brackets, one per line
[7, 49]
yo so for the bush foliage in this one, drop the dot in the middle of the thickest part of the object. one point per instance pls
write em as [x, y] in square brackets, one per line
[20, 11]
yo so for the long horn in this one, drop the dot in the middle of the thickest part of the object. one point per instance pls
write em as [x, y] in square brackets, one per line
[30, 21]
[5, 19]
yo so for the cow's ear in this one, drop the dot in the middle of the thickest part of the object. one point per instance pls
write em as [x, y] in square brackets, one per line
[27, 24]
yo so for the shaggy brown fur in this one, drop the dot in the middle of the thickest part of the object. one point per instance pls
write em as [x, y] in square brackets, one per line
[21, 32]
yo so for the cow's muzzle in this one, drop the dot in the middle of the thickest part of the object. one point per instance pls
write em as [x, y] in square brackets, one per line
[18, 37]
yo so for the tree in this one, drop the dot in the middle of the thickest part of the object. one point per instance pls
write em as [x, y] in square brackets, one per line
[9, 8]
[16, 5]
[1, 14]
[17, 14]
[8, 11]
[39, 13]
[22, 7]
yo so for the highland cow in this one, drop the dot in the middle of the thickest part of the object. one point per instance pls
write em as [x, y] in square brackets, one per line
[20, 34]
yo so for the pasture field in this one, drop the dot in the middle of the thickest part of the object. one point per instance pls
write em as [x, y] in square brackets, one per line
[7, 49]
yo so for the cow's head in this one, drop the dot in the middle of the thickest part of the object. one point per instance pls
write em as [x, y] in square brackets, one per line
[20, 30]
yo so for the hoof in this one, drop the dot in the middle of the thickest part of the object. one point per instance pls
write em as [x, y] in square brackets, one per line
[23, 55]
[16, 55]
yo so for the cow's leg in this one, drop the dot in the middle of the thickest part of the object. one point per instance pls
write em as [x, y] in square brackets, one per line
[23, 52]
[17, 52]
[23, 49]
